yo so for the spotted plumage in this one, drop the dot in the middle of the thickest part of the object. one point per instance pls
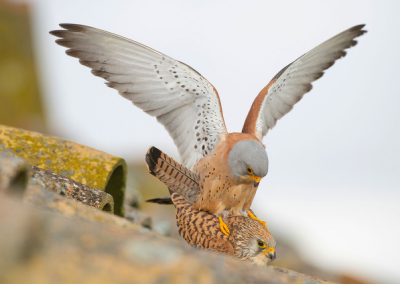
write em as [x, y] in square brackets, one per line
[190, 109]
[201, 230]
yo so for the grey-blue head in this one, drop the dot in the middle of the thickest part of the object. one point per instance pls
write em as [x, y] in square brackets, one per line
[248, 160]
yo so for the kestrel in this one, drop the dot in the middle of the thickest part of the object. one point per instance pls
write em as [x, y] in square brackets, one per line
[248, 239]
[229, 166]
[182, 181]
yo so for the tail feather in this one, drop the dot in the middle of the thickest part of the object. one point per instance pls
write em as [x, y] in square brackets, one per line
[178, 178]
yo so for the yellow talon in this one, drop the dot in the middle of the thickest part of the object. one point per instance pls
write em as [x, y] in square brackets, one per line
[251, 215]
[223, 227]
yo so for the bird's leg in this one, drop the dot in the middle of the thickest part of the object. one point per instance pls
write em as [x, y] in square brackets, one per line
[252, 216]
[223, 227]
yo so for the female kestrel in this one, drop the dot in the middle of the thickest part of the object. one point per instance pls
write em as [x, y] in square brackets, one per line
[229, 165]
[248, 241]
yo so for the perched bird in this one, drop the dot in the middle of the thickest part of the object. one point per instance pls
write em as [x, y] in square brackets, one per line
[229, 166]
[248, 240]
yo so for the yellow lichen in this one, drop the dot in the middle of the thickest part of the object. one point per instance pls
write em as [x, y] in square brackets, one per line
[78, 162]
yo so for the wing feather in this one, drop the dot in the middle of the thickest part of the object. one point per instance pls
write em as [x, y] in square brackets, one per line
[182, 100]
[293, 81]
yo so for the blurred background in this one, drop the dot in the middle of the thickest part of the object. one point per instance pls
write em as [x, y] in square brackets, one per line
[331, 197]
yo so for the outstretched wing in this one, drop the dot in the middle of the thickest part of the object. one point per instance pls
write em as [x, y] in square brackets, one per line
[182, 100]
[293, 81]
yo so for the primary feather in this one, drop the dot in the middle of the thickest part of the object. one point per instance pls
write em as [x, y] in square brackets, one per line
[292, 82]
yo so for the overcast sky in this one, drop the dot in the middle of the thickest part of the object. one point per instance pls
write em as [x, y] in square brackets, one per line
[333, 184]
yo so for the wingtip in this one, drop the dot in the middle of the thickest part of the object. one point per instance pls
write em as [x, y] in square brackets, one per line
[74, 27]
[359, 29]
[166, 200]
[68, 26]
[55, 32]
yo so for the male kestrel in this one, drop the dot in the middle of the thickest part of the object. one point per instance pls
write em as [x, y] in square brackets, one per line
[248, 239]
[229, 166]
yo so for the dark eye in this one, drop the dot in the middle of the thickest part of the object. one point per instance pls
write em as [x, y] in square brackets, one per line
[249, 170]
[261, 244]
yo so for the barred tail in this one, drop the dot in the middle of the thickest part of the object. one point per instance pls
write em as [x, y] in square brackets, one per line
[178, 178]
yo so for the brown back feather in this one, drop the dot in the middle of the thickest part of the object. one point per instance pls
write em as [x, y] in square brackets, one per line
[200, 229]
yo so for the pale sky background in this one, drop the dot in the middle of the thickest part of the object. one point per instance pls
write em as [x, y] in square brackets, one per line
[333, 183]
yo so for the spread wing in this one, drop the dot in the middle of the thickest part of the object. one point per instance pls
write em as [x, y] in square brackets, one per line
[182, 100]
[293, 81]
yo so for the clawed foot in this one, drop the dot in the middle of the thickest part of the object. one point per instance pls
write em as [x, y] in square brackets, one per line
[251, 215]
[223, 227]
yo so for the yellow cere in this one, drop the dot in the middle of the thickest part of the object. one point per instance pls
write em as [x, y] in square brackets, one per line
[257, 179]
[270, 250]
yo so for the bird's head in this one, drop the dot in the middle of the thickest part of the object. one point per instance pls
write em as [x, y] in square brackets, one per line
[254, 243]
[248, 161]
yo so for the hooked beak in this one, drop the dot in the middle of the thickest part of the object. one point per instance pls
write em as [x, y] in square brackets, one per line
[256, 180]
[270, 253]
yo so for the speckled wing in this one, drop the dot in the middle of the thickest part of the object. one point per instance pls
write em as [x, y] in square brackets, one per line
[182, 100]
[200, 229]
[293, 81]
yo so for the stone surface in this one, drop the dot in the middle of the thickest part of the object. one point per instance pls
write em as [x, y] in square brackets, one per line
[83, 164]
[136, 216]
[54, 203]
[133, 197]
[40, 247]
[14, 175]
[57, 234]
[72, 189]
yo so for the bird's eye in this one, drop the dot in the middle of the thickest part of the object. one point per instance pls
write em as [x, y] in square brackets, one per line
[249, 170]
[261, 244]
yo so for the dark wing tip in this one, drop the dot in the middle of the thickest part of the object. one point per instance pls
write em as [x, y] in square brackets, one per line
[63, 42]
[74, 53]
[55, 33]
[358, 30]
[77, 28]
[72, 27]
[166, 200]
